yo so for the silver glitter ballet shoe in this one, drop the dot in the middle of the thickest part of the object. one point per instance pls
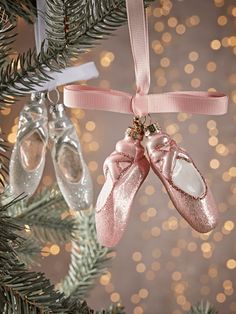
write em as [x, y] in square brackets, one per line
[72, 174]
[28, 155]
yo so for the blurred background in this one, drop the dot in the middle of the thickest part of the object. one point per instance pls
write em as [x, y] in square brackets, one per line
[162, 265]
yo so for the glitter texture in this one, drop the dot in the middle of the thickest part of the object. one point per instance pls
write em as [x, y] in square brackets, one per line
[71, 171]
[25, 176]
[200, 212]
[125, 170]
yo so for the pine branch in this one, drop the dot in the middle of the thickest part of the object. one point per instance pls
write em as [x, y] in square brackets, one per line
[4, 162]
[72, 27]
[78, 27]
[21, 291]
[44, 219]
[28, 251]
[113, 309]
[48, 199]
[9, 240]
[88, 260]
[49, 229]
[43, 215]
[77, 307]
[201, 308]
[6, 39]
[6, 36]
[29, 292]
[22, 74]
[14, 8]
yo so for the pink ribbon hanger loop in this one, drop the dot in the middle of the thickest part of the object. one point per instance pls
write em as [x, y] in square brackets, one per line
[197, 102]
[138, 33]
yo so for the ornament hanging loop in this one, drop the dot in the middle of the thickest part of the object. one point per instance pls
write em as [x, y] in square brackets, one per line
[138, 32]
[53, 98]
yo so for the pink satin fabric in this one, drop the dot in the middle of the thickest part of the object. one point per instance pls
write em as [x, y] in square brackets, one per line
[125, 170]
[93, 98]
[138, 33]
[200, 212]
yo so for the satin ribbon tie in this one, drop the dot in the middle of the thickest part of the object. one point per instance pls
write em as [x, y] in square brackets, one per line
[94, 98]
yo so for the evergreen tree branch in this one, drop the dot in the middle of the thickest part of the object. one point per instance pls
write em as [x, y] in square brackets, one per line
[113, 309]
[72, 27]
[6, 39]
[6, 36]
[43, 214]
[4, 162]
[21, 291]
[50, 200]
[88, 260]
[28, 251]
[14, 8]
[202, 308]
[77, 307]
[49, 229]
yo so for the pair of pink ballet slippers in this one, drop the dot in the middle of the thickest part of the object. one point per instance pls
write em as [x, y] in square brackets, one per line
[126, 169]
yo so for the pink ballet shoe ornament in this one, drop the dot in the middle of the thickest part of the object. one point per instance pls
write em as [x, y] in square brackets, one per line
[184, 183]
[125, 170]
[127, 167]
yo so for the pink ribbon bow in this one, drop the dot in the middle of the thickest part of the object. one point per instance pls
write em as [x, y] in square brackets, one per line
[142, 103]
[95, 98]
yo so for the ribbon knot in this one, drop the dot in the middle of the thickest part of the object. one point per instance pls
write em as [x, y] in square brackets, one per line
[139, 105]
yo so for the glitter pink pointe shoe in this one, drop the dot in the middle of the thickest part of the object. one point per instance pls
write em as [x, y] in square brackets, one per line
[125, 170]
[28, 155]
[185, 185]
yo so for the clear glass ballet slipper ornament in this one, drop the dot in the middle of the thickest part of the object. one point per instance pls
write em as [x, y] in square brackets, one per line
[125, 170]
[28, 155]
[71, 171]
[184, 183]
